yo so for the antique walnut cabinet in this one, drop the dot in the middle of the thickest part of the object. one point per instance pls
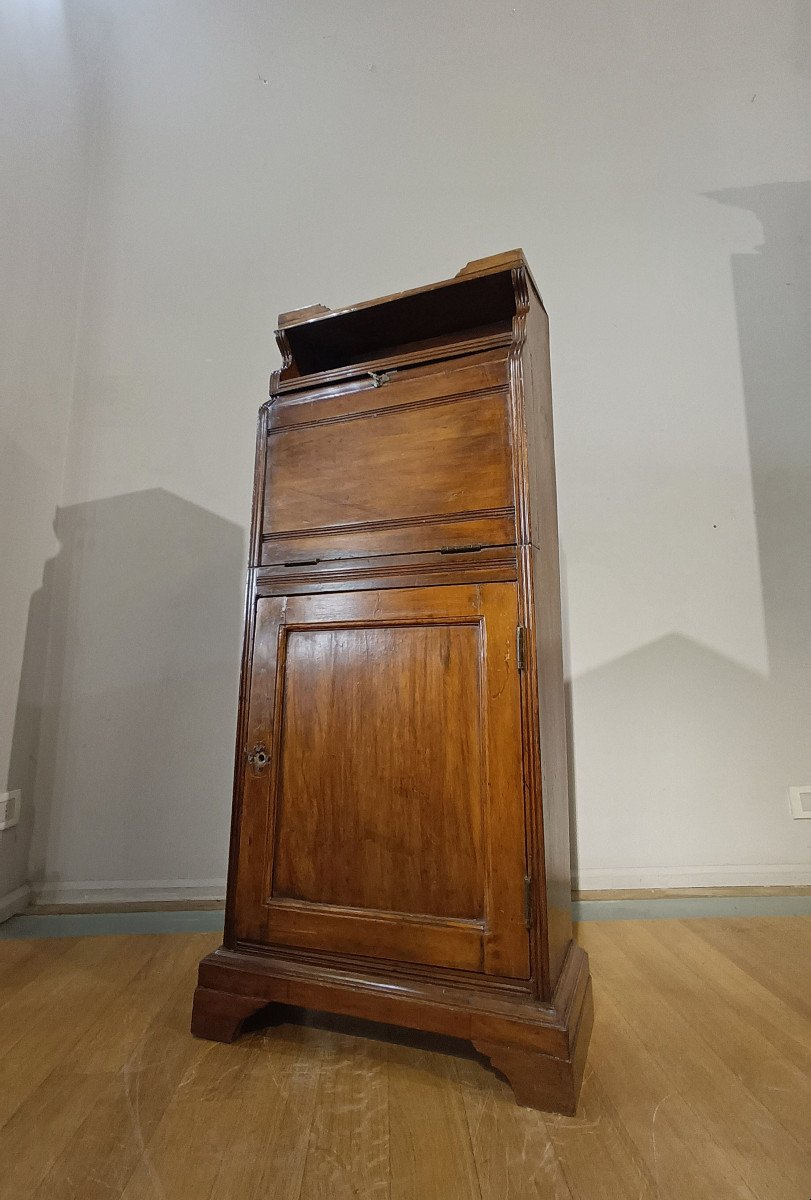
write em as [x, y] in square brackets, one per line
[400, 838]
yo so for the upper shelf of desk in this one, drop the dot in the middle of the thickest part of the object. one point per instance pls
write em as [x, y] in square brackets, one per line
[472, 311]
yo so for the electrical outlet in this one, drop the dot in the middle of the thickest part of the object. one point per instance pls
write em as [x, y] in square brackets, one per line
[10, 809]
[800, 801]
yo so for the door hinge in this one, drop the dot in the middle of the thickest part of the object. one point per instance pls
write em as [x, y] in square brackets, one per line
[528, 901]
[520, 647]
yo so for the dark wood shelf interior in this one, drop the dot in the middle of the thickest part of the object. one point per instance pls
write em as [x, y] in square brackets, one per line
[463, 308]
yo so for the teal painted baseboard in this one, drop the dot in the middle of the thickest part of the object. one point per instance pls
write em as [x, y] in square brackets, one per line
[31, 925]
[691, 906]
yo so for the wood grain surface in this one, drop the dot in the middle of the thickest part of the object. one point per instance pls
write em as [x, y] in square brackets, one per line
[388, 820]
[696, 1086]
[354, 797]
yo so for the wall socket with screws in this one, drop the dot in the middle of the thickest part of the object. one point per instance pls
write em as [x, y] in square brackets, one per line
[799, 799]
[10, 808]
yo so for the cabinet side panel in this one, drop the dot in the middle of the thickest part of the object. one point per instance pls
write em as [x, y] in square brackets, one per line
[254, 551]
[545, 567]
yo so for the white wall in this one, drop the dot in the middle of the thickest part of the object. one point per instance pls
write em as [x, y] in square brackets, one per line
[43, 193]
[653, 161]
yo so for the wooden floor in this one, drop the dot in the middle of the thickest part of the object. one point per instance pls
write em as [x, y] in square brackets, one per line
[696, 1086]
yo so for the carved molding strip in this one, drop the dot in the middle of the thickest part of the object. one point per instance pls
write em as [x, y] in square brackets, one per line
[280, 576]
[432, 354]
[480, 514]
[339, 962]
[426, 402]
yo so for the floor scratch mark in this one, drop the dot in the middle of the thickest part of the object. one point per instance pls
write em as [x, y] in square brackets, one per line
[653, 1136]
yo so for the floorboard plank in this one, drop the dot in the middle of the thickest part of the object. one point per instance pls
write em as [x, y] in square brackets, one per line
[767, 948]
[52, 1012]
[740, 1041]
[758, 1148]
[742, 993]
[248, 1137]
[513, 1152]
[696, 1086]
[348, 1150]
[106, 1147]
[429, 1141]
[680, 1152]
[42, 1127]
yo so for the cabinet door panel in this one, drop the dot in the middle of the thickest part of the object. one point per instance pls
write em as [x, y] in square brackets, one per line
[389, 820]
[364, 776]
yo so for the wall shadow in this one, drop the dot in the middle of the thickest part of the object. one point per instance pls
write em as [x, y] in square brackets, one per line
[773, 302]
[571, 775]
[127, 704]
[683, 762]
[673, 737]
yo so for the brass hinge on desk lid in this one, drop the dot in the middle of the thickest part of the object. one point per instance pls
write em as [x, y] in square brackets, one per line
[528, 901]
[520, 647]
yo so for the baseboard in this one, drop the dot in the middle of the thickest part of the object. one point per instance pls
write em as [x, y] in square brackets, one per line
[622, 879]
[691, 893]
[99, 894]
[14, 902]
[590, 885]
[137, 913]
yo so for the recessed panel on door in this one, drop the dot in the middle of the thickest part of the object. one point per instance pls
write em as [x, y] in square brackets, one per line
[373, 815]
